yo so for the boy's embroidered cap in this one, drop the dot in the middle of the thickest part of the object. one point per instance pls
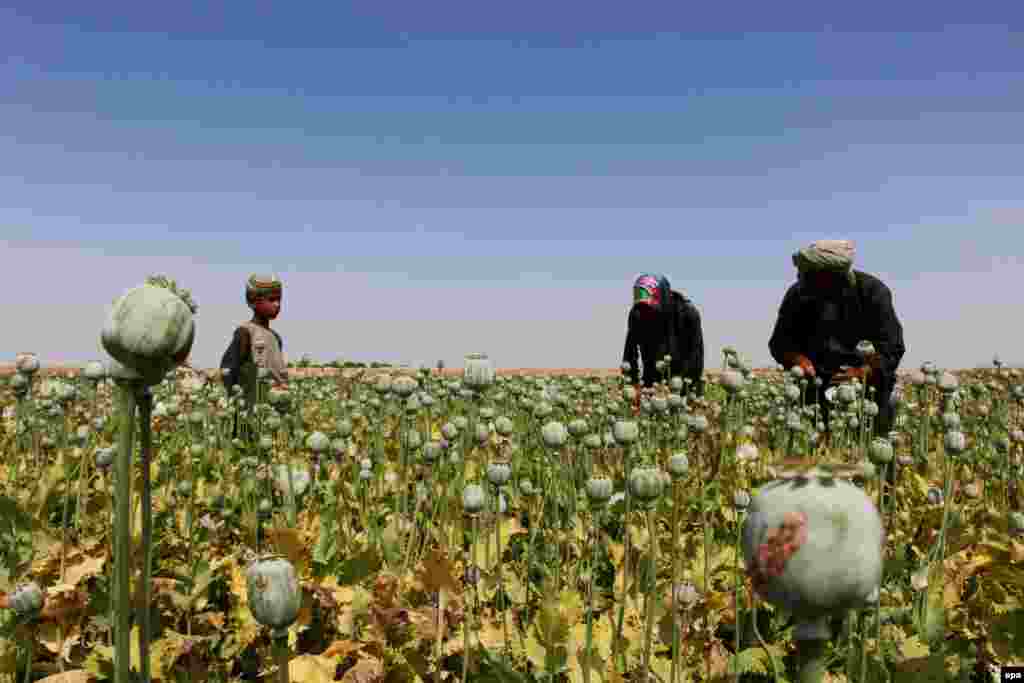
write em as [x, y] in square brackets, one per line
[262, 285]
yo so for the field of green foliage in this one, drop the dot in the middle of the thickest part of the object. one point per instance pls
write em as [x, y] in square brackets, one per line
[496, 528]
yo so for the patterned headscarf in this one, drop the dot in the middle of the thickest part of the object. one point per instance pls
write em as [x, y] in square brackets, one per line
[651, 289]
[828, 255]
[259, 285]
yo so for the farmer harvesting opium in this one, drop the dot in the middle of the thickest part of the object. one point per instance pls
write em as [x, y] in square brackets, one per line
[662, 322]
[825, 314]
[254, 344]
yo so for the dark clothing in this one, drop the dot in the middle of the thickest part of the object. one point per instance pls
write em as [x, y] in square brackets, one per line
[675, 331]
[235, 359]
[827, 328]
[238, 353]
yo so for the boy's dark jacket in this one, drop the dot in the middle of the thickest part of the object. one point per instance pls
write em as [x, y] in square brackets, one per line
[674, 331]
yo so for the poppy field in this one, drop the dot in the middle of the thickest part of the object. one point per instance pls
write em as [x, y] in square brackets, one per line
[495, 528]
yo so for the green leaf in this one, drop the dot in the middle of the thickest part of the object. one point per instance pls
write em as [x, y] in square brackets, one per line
[1007, 636]
[355, 569]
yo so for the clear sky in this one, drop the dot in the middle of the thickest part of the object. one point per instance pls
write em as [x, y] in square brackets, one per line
[435, 178]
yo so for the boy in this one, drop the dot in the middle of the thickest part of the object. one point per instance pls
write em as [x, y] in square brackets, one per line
[254, 344]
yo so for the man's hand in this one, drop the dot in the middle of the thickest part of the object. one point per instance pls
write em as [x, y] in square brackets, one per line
[802, 361]
[637, 393]
[874, 361]
[862, 373]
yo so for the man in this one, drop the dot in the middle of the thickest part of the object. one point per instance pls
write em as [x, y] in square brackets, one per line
[826, 313]
[663, 322]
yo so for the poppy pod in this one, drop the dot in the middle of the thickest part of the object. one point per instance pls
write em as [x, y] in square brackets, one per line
[813, 545]
[149, 330]
[273, 592]
[26, 599]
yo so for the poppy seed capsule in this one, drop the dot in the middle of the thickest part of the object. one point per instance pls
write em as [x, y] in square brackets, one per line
[413, 439]
[504, 426]
[477, 371]
[473, 499]
[104, 457]
[94, 371]
[273, 592]
[483, 434]
[741, 500]
[554, 434]
[813, 546]
[150, 330]
[955, 442]
[678, 465]
[699, 424]
[685, 596]
[646, 484]
[432, 451]
[499, 473]
[26, 600]
[599, 490]
[881, 451]
[578, 427]
[625, 432]
[449, 431]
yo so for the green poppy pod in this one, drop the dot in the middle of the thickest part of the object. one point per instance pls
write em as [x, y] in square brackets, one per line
[26, 600]
[473, 499]
[274, 594]
[477, 371]
[678, 465]
[554, 434]
[646, 484]
[578, 427]
[318, 442]
[881, 451]
[813, 545]
[599, 490]
[625, 432]
[150, 330]
[955, 442]
[499, 473]
[504, 426]
[404, 386]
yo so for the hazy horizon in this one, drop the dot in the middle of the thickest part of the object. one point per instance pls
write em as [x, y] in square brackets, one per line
[432, 182]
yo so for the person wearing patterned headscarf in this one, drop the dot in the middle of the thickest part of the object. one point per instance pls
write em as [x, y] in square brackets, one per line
[254, 345]
[663, 322]
[825, 315]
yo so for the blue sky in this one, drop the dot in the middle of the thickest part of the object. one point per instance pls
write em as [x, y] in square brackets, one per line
[437, 178]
